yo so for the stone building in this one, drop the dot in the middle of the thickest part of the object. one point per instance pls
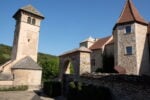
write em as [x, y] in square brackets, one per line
[129, 46]
[22, 69]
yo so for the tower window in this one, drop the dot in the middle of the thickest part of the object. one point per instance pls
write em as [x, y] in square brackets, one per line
[128, 29]
[29, 20]
[129, 50]
[33, 21]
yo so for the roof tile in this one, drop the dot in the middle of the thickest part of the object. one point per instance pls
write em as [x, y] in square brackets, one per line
[100, 43]
[130, 14]
[26, 63]
[30, 9]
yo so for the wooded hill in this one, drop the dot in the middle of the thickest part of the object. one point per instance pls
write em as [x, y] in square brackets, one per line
[49, 63]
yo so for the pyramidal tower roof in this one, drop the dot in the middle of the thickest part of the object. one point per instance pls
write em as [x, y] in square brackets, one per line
[30, 9]
[130, 14]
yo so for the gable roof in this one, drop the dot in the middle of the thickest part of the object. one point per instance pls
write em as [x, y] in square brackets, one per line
[30, 9]
[27, 63]
[100, 43]
[130, 14]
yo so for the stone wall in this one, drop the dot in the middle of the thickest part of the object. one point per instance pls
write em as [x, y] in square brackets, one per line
[142, 49]
[97, 58]
[85, 63]
[109, 49]
[121, 41]
[32, 78]
[122, 87]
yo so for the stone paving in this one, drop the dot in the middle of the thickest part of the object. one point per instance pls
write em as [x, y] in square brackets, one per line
[22, 95]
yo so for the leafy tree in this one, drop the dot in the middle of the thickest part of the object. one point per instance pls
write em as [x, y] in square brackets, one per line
[5, 52]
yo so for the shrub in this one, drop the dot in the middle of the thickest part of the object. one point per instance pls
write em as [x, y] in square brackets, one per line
[52, 88]
[15, 88]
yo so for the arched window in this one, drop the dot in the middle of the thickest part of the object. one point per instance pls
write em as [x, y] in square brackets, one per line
[29, 20]
[33, 21]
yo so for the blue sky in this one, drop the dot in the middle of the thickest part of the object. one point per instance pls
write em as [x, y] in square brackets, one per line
[67, 22]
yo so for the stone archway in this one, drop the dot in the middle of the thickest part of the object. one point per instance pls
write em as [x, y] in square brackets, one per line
[80, 59]
[68, 67]
[81, 63]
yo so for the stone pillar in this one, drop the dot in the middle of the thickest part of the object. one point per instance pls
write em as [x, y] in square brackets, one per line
[85, 62]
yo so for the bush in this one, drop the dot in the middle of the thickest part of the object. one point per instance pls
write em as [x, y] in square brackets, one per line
[78, 91]
[15, 88]
[52, 88]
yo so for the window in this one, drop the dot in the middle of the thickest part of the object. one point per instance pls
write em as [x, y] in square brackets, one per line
[128, 29]
[129, 50]
[33, 21]
[29, 20]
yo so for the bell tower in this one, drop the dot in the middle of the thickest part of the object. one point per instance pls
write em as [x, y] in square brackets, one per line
[26, 33]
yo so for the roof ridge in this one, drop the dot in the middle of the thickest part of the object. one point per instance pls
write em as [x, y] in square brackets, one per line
[122, 12]
[131, 9]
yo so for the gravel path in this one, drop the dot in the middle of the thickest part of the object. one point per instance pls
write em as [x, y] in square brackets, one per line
[18, 95]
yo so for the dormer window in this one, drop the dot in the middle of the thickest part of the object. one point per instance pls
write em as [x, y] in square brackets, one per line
[33, 21]
[128, 29]
[29, 20]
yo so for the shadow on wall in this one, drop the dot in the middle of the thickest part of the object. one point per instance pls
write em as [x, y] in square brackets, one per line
[145, 62]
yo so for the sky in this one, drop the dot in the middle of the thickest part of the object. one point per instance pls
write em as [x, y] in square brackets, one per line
[67, 22]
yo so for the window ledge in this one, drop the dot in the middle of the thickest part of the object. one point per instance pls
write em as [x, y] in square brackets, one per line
[128, 54]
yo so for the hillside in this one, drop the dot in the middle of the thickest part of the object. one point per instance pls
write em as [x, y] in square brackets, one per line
[5, 52]
[49, 63]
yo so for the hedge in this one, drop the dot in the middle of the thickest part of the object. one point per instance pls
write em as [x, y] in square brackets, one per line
[79, 91]
[52, 88]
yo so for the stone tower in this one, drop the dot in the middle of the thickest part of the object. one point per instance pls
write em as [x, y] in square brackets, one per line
[130, 41]
[88, 42]
[26, 35]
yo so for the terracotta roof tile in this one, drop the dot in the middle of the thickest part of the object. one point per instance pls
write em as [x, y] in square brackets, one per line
[130, 14]
[100, 43]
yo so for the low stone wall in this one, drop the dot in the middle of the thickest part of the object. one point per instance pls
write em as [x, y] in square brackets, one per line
[122, 87]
